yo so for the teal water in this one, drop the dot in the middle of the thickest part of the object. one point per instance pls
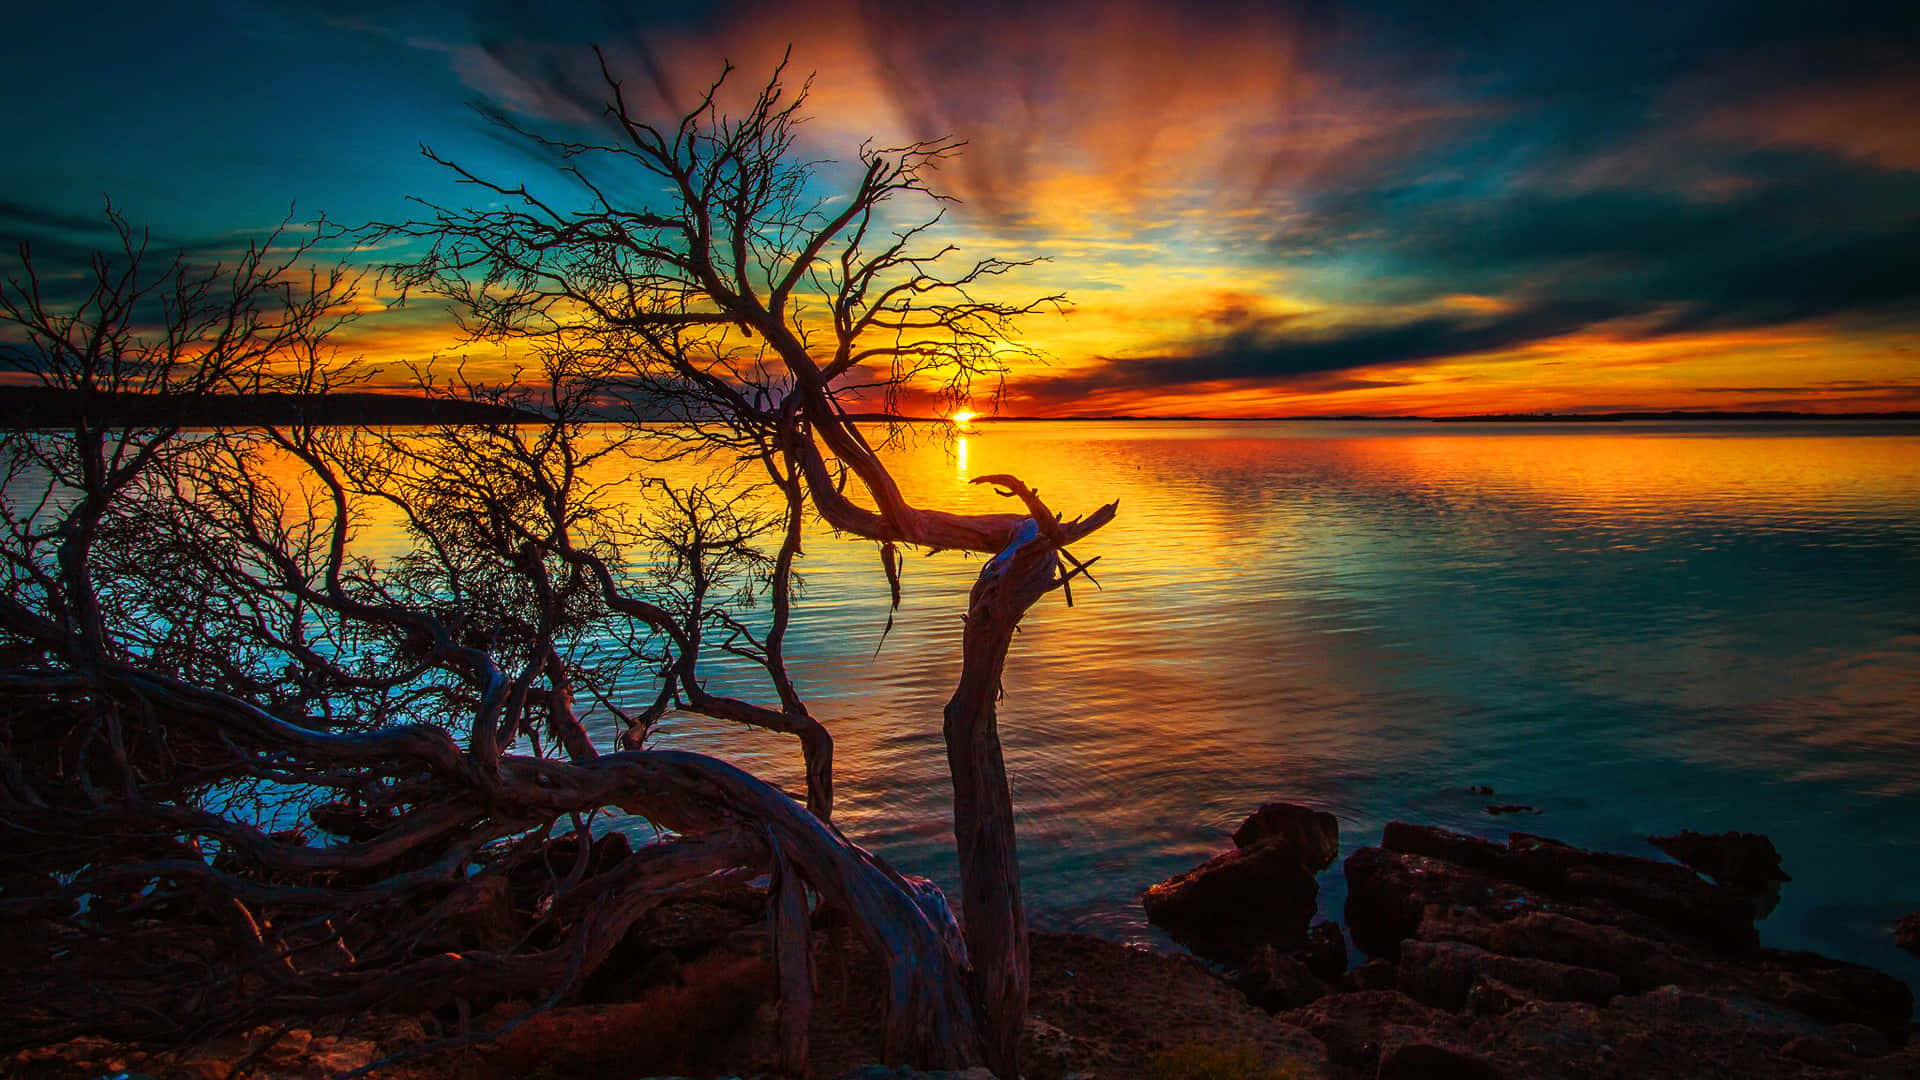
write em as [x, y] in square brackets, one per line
[1634, 628]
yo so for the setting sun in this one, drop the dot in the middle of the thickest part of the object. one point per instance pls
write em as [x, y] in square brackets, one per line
[486, 589]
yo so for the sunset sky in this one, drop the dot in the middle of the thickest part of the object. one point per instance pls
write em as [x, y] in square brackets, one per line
[1255, 209]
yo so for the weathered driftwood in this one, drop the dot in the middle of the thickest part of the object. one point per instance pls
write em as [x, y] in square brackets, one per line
[722, 260]
[928, 1016]
[1029, 567]
[109, 748]
[759, 827]
[793, 964]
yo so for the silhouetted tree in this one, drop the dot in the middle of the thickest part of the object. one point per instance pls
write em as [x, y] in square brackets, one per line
[204, 668]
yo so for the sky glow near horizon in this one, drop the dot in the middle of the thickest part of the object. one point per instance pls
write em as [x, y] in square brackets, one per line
[1254, 209]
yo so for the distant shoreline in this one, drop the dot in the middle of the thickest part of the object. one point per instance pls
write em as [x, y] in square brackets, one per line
[36, 407]
[29, 407]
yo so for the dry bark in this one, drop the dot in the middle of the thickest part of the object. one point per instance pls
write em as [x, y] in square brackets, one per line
[1030, 566]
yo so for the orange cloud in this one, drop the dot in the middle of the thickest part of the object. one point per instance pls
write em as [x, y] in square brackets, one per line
[1805, 368]
[1078, 116]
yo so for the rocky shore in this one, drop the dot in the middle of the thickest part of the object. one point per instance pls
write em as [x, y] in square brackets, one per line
[1533, 958]
[1516, 960]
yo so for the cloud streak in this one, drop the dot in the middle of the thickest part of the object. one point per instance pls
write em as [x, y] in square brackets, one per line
[1400, 191]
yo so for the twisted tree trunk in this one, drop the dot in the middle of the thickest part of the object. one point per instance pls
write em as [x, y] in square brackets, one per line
[992, 912]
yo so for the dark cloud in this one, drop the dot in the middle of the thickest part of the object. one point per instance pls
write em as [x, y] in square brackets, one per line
[59, 243]
[65, 240]
[19, 218]
[1654, 169]
[58, 251]
[1580, 163]
[1799, 236]
[1317, 97]
[1271, 352]
[1810, 238]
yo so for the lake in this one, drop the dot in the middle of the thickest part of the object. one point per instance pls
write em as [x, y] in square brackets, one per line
[1633, 628]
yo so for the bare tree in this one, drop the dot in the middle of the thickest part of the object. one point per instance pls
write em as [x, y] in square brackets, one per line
[203, 667]
[767, 304]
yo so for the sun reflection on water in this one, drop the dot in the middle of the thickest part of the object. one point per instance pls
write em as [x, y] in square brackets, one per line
[1637, 629]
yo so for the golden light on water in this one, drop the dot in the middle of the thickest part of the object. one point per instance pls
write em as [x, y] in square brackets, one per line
[1300, 600]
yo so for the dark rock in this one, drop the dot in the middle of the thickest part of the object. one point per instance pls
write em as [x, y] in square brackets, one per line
[1728, 1015]
[1497, 809]
[1648, 924]
[1358, 1028]
[1388, 892]
[1523, 943]
[1539, 959]
[1054, 1049]
[1457, 848]
[904, 1072]
[1313, 835]
[1480, 789]
[1719, 915]
[1860, 1040]
[1746, 860]
[1442, 974]
[1671, 895]
[1814, 986]
[1832, 991]
[1819, 1051]
[1714, 916]
[1277, 980]
[1640, 963]
[1123, 1006]
[1565, 1040]
[1373, 975]
[1491, 997]
[1427, 1061]
[1233, 903]
[1326, 951]
[1906, 932]
[1455, 922]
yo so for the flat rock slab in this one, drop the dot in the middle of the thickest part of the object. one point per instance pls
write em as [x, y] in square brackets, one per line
[1561, 961]
[1312, 835]
[1745, 860]
[1906, 932]
[1234, 903]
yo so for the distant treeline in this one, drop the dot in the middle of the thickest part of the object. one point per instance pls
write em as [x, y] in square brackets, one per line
[41, 407]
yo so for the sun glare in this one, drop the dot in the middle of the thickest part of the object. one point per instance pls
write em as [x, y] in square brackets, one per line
[963, 418]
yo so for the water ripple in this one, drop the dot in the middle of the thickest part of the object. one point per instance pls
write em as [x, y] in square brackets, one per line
[1636, 629]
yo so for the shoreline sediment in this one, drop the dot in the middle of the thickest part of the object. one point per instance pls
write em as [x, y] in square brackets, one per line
[1527, 959]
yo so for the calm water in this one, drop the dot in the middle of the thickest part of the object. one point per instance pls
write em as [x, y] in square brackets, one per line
[1635, 628]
